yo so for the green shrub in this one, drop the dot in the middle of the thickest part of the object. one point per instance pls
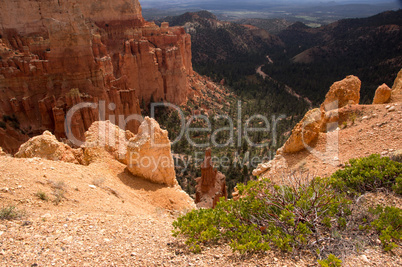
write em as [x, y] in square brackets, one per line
[331, 261]
[389, 226]
[10, 213]
[287, 217]
[368, 174]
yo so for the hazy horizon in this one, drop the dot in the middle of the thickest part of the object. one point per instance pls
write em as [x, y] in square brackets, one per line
[312, 12]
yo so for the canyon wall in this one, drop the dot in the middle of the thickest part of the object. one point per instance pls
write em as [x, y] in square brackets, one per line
[55, 54]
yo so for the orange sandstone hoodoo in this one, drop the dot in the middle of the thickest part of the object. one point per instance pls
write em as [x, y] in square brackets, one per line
[211, 185]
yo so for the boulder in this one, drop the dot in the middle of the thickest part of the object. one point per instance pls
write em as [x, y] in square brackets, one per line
[105, 135]
[396, 94]
[46, 146]
[343, 93]
[149, 154]
[2, 152]
[211, 186]
[305, 132]
[382, 94]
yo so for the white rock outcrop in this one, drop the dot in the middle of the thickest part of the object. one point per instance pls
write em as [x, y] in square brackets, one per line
[149, 154]
[46, 146]
[107, 136]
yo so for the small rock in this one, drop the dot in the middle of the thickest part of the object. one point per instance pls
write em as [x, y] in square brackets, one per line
[391, 109]
[365, 118]
[133, 254]
[387, 106]
[26, 223]
[364, 258]
[92, 186]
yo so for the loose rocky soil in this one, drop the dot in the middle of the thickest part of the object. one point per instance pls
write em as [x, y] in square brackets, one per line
[363, 130]
[107, 217]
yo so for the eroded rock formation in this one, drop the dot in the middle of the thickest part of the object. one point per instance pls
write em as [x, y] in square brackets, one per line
[343, 93]
[305, 132]
[339, 111]
[211, 186]
[104, 135]
[149, 154]
[55, 54]
[318, 120]
[46, 146]
[396, 94]
[382, 94]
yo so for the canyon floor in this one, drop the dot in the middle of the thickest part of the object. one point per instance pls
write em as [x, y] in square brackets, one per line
[101, 215]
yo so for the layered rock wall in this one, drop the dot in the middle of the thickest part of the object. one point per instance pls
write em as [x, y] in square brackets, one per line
[55, 54]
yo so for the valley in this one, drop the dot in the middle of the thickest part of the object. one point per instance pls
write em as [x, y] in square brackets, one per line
[312, 13]
[200, 133]
[289, 90]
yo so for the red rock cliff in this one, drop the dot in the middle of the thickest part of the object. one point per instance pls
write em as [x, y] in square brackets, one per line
[55, 54]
